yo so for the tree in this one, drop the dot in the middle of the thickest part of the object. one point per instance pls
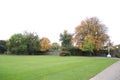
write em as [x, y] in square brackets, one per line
[66, 40]
[27, 43]
[55, 46]
[44, 44]
[3, 46]
[88, 44]
[32, 42]
[91, 26]
[17, 44]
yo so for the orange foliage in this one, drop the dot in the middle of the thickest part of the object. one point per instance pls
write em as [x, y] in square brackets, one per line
[44, 44]
[91, 26]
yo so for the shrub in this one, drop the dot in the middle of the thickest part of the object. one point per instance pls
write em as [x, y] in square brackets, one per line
[64, 53]
[3, 46]
[75, 51]
[117, 55]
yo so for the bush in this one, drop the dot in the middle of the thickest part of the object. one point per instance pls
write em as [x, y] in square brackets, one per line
[3, 47]
[64, 53]
[117, 55]
[75, 51]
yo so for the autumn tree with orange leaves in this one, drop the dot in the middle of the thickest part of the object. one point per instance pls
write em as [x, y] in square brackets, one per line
[94, 28]
[44, 44]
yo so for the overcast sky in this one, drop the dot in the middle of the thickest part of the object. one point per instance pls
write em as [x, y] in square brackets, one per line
[49, 18]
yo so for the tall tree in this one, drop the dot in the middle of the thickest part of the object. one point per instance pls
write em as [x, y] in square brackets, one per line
[91, 26]
[3, 46]
[44, 44]
[32, 42]
[66, 40]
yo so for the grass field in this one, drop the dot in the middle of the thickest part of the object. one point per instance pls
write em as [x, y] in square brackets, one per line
[51, 67]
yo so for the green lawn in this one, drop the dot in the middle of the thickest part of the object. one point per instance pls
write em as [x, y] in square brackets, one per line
[51, 67]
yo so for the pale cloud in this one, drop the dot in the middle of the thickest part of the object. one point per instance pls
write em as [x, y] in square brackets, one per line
[50, 17]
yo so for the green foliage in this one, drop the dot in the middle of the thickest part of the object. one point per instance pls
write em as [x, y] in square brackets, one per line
[55, 46]
[27, 43]
[66, 40]
[17, 43]
[51, 67]
[3, 46]
[32, 42]
[76, 51]
[88, 44]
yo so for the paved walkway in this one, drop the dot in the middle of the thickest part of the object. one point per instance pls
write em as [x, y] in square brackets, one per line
[111, 73]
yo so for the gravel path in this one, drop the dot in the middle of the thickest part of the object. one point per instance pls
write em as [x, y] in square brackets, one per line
[111, 73]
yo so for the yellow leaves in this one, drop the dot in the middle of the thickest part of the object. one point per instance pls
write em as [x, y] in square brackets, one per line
[93, 29]
[44, 44]
[98, 44]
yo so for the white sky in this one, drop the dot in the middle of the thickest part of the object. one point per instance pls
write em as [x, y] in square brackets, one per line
[49, 18]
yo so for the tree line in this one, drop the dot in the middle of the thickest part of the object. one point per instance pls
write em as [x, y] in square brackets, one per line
[89, 36]
[27, 43]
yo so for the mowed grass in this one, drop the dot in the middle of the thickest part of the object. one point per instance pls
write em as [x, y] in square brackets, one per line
[51, 67]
